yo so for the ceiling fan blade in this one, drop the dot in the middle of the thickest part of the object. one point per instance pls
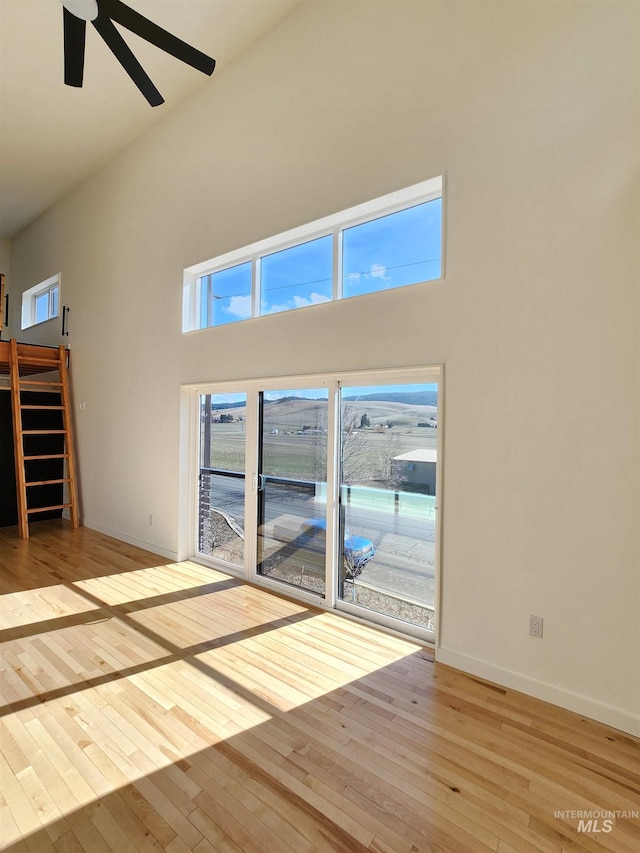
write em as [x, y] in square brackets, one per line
[125, 57]
[74, 41]
[151, 32]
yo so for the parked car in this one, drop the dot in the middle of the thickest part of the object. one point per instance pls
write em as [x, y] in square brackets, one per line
[311, 535]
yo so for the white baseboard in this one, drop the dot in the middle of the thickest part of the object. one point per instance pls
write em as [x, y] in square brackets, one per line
[583, 705]
[131, 540]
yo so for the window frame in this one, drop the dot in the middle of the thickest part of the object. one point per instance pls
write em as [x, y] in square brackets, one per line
[333, 225]
[30, 297]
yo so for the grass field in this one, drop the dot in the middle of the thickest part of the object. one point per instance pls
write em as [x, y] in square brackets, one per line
[366, 451]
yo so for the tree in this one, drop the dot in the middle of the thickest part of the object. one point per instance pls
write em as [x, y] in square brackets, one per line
[355, 461]
[365, 421]
[367, 457]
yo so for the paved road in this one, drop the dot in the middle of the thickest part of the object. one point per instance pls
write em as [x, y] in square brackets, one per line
[405, 547]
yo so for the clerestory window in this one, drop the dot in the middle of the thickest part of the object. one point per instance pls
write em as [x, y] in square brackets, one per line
[390, 242]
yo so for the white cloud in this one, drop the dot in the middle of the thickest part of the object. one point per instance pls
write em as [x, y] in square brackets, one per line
[378, 271]
[239, 306]
[275, 309]
[298, 302]
[314, 299]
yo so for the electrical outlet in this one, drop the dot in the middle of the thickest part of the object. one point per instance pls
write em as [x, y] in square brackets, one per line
[151, 521]
[535, 626]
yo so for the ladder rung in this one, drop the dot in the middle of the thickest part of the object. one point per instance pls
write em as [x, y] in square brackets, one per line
[44, 431]
[48, 362]
[48, 482]
[46, 456]
[39, 382]
[47, 508]
[44, 408]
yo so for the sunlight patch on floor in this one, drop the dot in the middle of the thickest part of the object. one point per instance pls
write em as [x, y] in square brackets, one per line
[111, 679]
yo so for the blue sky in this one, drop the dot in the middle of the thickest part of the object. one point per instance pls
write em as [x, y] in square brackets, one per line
[297, 277]
[392, 251]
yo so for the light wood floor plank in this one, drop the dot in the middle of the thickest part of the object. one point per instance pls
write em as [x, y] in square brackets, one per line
[155, 707]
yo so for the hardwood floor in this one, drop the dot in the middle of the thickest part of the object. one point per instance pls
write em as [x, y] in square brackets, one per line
[150, 706]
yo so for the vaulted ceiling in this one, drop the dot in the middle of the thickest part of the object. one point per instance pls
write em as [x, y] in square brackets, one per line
[53, 136]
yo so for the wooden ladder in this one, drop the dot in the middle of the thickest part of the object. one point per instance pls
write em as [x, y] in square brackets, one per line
[26, 360]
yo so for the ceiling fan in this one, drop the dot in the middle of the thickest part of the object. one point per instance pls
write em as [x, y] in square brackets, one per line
[102, 14]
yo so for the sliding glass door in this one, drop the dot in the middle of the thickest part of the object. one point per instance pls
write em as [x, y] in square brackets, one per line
[327, 489]
[291, 486]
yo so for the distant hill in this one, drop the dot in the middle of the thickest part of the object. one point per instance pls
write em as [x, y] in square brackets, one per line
[287, 415]
[215, 407]
[409, 398]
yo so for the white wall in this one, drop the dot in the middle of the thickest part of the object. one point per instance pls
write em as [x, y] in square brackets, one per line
[5, 256]
[5, 269]
[531, 111]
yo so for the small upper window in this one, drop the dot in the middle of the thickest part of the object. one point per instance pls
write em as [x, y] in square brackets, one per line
[41, 302]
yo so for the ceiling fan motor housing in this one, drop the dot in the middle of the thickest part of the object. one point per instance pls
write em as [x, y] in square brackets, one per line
[86, 10]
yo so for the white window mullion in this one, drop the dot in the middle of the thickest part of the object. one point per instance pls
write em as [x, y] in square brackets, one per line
[337, 263]
[333, 484]
[255, 288]
[251, 482]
